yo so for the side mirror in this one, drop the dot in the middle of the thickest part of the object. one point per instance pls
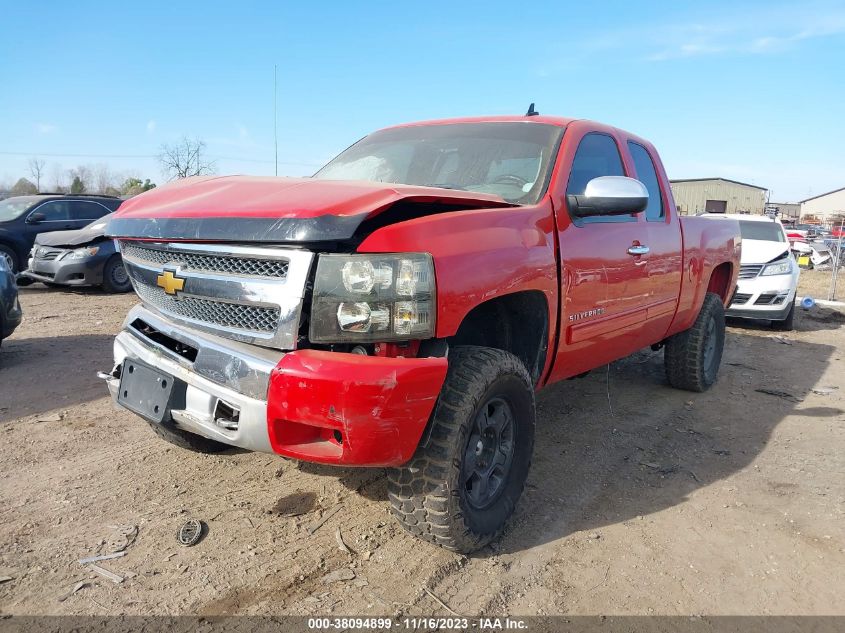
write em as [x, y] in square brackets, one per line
[36, 218]
[609, 195]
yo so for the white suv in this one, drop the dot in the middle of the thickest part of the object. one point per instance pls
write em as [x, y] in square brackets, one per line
[768, 275]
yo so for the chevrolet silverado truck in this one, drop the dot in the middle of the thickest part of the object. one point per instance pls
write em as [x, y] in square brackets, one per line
[402, 307]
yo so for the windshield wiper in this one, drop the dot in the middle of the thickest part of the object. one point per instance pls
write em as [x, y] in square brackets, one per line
[446, 185]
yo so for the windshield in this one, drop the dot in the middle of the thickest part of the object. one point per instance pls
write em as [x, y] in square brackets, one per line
[510, 160]
[765, 231]
[11, 208]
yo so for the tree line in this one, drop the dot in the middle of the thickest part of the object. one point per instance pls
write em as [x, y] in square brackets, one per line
[80, 179]
[182, 159]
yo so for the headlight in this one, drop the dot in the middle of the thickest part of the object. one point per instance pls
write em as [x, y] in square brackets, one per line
[369, 298]
[778, 268]
[82, 253]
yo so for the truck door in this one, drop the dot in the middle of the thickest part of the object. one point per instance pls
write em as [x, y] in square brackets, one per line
[604, 277]
[665, 258]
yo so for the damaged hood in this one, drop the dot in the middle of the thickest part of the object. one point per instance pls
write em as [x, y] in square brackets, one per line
[79, 237]
[254, 209]
[762, 251]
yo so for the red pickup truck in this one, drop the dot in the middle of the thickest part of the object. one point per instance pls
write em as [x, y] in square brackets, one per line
[402, 307]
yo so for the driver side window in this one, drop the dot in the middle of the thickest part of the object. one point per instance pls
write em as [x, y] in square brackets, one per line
[54, 211]
[597, 155]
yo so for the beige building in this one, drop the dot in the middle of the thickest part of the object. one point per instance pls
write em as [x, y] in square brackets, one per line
[717, 195]
[826, 208]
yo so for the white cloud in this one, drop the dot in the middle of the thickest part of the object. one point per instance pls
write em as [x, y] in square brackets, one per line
[752, 34]
[45, 128]
[151, 126]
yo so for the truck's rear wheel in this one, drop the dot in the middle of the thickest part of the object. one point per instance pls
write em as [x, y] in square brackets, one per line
[186, 440]
[692, 357]
[460, 488]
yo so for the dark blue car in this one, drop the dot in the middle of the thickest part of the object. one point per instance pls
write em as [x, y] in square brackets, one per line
[22, 218]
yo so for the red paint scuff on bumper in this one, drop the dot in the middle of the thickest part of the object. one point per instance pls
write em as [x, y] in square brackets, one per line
[379, 406]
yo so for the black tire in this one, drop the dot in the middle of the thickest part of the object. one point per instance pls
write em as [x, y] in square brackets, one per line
[115, 278]
[787, 324]
[692, 357]
[438, 495]
[8, 253]
[189, 441]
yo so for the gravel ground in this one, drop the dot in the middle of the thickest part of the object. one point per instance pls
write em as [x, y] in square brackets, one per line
[641, 499]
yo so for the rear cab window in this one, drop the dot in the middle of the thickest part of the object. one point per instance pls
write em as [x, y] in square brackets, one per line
[647, 175]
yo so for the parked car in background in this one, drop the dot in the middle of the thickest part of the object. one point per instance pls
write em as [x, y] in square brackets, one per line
[77, 258]
[10, 307]
[768, 274]
[24, 217]
[811, 231]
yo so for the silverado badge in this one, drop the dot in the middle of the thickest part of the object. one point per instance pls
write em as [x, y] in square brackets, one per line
[586, 315]
[170, 283]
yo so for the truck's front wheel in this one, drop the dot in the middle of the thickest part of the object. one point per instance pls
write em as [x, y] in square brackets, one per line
[692, 357]
[463, 484]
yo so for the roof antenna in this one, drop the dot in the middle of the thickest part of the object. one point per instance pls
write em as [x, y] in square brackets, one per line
[531, 111]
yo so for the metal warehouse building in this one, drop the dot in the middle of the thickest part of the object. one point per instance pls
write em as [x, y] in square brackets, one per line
[824, 208]
[718, 195]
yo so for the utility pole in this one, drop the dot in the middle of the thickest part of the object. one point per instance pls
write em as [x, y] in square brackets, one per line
[275, 124]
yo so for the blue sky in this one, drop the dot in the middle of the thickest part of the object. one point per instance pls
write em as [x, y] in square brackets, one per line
[752, 91]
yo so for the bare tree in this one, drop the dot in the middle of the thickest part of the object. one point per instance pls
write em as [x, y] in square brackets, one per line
[57, 173]
[103, 179]
[36, 169]
[185, 158]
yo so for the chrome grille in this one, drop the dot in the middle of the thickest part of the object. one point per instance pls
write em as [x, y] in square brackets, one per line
[740, 298]
[229, 315]
[216, 264]
[749, 271]
[246, 293]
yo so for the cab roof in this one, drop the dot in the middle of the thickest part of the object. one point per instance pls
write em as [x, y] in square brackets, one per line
[509, 118]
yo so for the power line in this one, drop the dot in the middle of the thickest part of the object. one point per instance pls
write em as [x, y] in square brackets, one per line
[77, 155]
[234, 158]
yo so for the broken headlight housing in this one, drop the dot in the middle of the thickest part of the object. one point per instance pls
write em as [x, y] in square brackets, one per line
[82, 253]
[373, 298]
[783, 267]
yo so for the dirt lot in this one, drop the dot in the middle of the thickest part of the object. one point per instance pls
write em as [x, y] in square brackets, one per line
[642, 499]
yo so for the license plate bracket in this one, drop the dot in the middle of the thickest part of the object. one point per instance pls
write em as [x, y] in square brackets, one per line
[146, 390]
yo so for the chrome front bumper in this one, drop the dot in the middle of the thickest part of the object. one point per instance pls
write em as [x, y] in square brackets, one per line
[223, 372]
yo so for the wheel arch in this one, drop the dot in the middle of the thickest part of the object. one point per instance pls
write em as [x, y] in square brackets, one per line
[516, 322]
[719, 282]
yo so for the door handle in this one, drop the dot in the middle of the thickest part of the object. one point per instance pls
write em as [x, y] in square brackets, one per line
[638, 250]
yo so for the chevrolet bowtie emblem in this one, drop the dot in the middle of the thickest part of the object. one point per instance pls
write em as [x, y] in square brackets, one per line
[170, 283]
